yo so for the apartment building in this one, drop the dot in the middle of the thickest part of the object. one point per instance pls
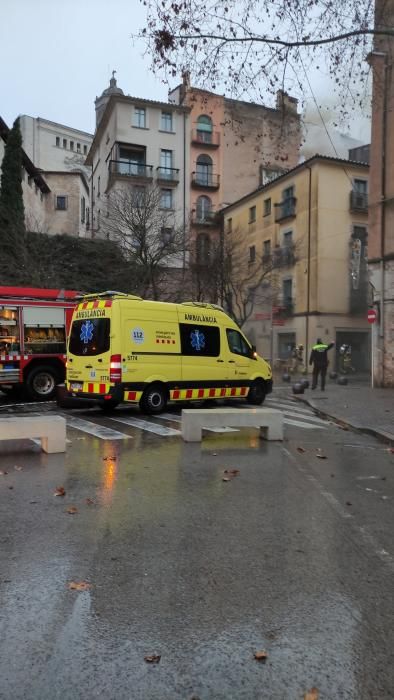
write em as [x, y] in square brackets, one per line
[139, 143]
[308, 229]
[233, 147]
[381, 204]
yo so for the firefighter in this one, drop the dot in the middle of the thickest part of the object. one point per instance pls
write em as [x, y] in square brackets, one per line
[319, 360]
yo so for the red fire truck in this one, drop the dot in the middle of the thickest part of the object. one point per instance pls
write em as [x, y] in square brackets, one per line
[33, 328]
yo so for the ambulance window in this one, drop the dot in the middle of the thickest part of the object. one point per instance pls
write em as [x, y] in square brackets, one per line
[90, 336]
[237, 343]
[200, 340]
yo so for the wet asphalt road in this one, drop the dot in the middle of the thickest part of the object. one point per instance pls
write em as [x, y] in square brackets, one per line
[294, 556]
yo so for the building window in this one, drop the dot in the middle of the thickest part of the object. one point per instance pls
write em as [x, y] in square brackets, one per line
[267, 207]
[87, 217]
[252, 214]
[71, 145]
[166, 164]
[58, 141]
[287, 287]
[166, 121]
[166, 199]
[288, 193]
[204, 170]
[85, 150]
[98, 186]
[83, 210]
[229, 225]
[167, 234]
[203, 208]
[360, 186]
[64, 143]
[61, 202]
[252, 253]
[288, 239]
[78, 147]
[98, 220]
[267, 249]
[139, 117]
[204, 129]
[203, 248]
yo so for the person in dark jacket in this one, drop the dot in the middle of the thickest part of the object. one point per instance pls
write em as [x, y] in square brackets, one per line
[319, 360]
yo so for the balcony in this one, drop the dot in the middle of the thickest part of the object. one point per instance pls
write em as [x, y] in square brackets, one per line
[205, 218]
[168, 176]
[205, 181]
[132, 169]
[359, 201]
[208, 139]
[283, 256]
[285, 209]
[285, 308]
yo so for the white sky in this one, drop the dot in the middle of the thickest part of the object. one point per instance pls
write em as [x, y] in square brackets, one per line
[58, 55]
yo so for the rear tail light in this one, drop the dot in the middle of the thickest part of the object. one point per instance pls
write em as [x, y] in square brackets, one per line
[115, 369]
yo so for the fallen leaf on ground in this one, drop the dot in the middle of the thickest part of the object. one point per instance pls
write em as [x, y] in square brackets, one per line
[10, 487]
[231, 472]
[300, 449]
[226, 478]
[90, 502]
[18, 469]
[320, 454]
[312, 694]
[348, 503]
[60, 491]
[3, 473]
[79, 586]
[214, 454]
[72, 510]
[152, 658]
[260, 655]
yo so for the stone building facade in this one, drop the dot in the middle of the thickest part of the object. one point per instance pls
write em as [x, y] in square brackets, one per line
[381, 205]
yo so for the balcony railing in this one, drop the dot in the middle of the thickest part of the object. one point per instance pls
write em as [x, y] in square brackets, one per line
[283, 256]
[285, 209]
[204, 218]
[207, 138]
[285, 308]
[168, 174]
[130, 168]
[359, 201]
[209, 181]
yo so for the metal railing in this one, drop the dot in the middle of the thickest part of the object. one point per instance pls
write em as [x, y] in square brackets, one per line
[204, 218]
[207, 138]
[358, 201]
[168, 174]
[285, 209]
[130, 168]
[209, 180]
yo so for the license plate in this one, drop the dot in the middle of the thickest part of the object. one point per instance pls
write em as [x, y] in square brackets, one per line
[76, 386]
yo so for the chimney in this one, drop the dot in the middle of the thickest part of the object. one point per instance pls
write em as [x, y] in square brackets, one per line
[286, 102]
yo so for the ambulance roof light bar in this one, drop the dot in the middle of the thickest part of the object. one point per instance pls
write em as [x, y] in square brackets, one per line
[203, 305]
[108, 294]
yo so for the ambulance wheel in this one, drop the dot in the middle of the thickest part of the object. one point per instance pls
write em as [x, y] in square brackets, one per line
[154, 399]
[41, 383]
[256, 393]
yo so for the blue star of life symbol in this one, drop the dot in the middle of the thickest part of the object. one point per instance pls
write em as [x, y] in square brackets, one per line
[86, 331]
[197, 340]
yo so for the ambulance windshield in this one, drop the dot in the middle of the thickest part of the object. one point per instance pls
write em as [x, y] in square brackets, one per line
[90, 336]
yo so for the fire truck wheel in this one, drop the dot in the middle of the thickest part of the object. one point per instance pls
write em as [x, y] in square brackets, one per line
[41, 383]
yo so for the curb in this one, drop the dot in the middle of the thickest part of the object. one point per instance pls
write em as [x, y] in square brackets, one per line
[381, 435]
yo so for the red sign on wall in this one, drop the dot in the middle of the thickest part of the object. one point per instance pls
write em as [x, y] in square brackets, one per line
[372, 316]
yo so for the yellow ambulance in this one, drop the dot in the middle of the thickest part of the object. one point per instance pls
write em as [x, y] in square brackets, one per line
[124, 348]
